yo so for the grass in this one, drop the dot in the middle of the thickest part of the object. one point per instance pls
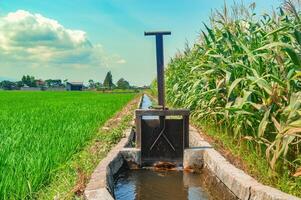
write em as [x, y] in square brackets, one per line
[69, 182]
[41, 131]
[241, 155]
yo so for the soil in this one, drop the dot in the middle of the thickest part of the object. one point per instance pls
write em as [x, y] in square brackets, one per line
[80, 185]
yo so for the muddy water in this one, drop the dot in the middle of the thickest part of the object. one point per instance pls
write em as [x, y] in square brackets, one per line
[165, 185]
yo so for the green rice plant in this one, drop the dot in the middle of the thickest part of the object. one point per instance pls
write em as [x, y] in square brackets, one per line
[244, 75]
[40, 131]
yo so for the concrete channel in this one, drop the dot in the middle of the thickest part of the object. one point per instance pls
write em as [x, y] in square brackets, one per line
[219, 177]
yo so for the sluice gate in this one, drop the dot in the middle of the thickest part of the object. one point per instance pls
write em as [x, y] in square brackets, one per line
[164, 137]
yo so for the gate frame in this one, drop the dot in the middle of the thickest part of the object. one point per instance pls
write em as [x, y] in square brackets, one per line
[140, 113]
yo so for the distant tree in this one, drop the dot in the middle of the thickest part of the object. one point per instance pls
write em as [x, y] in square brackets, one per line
[108, 82]
[123, 84]
[32, 82]
[98, 85]
[91, 84]
[54, 83]
[48, 82]
[29, 81]
[19, 84]
[24, 79]
[8, 85]
[65, 81]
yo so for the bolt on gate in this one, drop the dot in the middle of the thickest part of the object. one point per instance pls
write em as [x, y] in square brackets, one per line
[163, 138]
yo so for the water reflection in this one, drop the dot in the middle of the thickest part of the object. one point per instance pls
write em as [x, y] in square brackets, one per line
[146, 104]
[167, 185]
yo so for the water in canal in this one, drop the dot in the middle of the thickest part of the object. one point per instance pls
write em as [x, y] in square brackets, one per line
[146, 184]
[157, 185]
[146, 102]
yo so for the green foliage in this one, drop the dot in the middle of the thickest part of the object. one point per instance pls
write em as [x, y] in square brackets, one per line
[91, 84]
[41, 131]
[108, 82]
[153, 88]
[29, 81]
[54, 82]
[8, 85]
[255, 165]
[245, 76]
[84, 162]
[94, 85]
[123, 84]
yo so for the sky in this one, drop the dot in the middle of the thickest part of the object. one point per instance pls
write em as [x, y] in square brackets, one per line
[80, 40]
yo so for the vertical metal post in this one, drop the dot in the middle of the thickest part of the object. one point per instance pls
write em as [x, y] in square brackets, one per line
[160, 69]
[186, 130]
[138, 120]
[160, 64]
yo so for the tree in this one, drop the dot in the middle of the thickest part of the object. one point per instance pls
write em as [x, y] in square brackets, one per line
[54, 83]
[29, 81]
[7, 85]
[65, 81]
[98, 85]
[108, 82]
[123, 84]
[91, 84]
[19, 84]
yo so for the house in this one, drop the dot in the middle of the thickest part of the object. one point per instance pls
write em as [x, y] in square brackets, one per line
[74, 86]
[40, 83]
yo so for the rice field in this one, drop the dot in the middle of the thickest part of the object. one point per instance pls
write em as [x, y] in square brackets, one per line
[40, 131]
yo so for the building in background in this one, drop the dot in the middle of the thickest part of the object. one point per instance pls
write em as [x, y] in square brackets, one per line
[40, 83]
[74, 86]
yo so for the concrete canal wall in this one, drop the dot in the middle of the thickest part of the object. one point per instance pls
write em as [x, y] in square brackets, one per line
[238, 182]
[220, 176]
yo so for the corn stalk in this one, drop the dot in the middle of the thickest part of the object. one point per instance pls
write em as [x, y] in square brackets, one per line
[244, 75]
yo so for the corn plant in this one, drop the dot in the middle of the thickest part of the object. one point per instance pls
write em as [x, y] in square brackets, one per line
[244, 75]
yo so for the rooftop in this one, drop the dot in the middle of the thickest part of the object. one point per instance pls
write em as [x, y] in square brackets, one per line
[76, 83]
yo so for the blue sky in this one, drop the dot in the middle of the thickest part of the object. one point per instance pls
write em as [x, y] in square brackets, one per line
[83, 39]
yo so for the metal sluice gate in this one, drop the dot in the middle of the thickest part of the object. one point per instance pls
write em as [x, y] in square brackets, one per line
[164, 137]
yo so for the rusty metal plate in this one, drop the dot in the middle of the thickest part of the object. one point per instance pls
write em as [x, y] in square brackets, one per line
[161, 150]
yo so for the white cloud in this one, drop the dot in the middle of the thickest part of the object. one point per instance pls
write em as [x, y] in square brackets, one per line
[39, 41]
[121, 61]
